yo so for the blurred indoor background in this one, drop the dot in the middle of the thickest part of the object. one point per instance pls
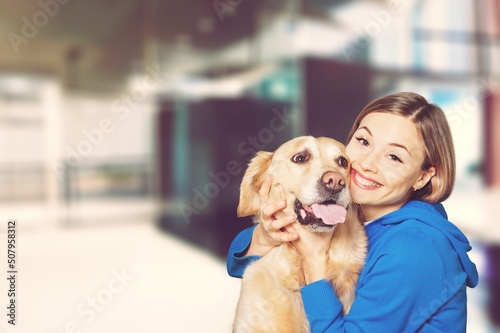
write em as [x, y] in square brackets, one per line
[126, 126]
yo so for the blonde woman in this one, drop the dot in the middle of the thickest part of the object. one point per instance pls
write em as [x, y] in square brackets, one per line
[417, 268]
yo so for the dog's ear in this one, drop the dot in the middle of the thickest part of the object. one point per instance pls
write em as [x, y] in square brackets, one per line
[252, 180]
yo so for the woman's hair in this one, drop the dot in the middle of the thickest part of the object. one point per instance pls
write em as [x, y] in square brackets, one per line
[434, 131]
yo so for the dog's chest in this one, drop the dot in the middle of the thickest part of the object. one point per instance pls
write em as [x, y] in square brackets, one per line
[283, 265]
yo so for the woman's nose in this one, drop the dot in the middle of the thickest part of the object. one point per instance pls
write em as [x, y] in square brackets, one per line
[368, 161]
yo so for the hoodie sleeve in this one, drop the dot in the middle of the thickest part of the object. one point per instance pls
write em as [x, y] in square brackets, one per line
[404, 286]
[236, 262]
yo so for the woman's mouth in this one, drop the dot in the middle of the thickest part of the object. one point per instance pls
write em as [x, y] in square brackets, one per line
[364, 183]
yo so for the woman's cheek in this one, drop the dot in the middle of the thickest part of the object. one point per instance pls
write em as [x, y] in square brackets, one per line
[396, 173]
[351, 153]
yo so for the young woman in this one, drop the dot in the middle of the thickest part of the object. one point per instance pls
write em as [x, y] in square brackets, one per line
[417, 267]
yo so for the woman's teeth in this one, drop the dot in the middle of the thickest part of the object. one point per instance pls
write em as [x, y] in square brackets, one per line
[365, 182]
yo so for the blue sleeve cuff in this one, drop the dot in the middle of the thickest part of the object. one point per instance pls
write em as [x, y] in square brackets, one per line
[236, 262]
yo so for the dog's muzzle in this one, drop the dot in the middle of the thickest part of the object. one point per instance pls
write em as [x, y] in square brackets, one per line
[326, 214]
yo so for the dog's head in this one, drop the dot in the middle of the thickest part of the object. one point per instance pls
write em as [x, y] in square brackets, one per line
[314, 174]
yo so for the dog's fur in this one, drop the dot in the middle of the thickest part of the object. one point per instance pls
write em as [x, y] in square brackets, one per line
[270, 298]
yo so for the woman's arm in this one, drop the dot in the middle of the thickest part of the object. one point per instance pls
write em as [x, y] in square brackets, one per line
[255, 242]
[237, 261]
[401, 288]
[249, 246]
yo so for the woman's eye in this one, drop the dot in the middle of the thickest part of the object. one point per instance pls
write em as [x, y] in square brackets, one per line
[394, 158]
[343, 162]
[300, 158]
[363, 141]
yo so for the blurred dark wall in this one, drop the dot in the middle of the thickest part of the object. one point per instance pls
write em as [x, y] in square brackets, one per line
[493, 280]
[215, 139]
[492, 138]
[335, 93]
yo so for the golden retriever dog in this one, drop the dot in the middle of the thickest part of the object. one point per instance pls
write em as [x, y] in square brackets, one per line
[314, 174]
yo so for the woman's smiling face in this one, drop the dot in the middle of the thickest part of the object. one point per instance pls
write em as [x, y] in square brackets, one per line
[387, 155]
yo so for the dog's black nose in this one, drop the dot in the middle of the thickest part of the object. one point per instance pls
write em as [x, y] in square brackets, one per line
[333, 180]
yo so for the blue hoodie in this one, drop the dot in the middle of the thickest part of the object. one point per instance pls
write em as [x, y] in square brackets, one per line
[414, 278]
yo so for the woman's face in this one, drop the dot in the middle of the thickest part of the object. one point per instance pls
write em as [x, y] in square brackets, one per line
[386, 156]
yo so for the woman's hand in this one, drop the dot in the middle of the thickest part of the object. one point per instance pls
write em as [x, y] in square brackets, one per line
[274, 227]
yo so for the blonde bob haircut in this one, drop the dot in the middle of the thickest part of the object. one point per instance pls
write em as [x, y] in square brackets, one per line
[434, 132]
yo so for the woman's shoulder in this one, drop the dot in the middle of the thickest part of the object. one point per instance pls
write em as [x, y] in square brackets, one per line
[417, 217]
[429, 209]
[412, 233]
[415, 234]
[415, 209]
[407, 247]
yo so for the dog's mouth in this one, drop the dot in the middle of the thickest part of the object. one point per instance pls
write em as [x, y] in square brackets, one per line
[325, 214]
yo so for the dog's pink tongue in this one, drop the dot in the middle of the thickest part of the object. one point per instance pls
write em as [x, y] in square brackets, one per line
[330, 214]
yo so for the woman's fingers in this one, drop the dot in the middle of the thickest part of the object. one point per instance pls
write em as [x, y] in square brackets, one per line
[283, 236]
[288, 237]
[272, 218]
[279, 224]
[265, 188]
[269, 210]
[277, 229]
[281, 192]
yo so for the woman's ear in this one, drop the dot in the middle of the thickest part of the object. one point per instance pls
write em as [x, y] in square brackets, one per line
[424, 178]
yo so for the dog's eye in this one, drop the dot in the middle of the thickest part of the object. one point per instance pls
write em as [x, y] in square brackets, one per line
[343, 162]
[300, 158]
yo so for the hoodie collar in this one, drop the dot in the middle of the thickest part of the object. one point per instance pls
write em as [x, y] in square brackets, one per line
[434, 215]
